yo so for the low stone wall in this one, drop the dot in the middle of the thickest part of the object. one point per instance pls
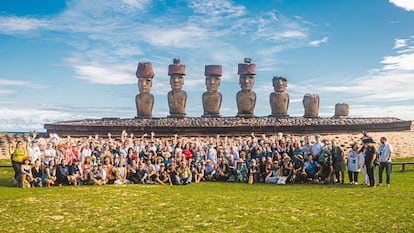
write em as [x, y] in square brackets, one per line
[225, 126]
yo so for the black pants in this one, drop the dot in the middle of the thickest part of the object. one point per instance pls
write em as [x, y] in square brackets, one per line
[353, 176]
[16, 168]
[370, 173]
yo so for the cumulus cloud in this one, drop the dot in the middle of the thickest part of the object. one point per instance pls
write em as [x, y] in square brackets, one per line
[400, 43]
[407, 5]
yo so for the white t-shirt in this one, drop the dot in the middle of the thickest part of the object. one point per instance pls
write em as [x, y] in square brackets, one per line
[34, 152]
[384, 152]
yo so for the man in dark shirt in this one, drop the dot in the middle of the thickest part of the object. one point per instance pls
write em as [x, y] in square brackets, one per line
[370, 154]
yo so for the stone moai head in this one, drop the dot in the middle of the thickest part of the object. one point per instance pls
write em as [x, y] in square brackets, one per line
[311, 105]
[213, 74]
[176, 71]
[279, 83]
[145, 74]
[341, 110]
[246, 72]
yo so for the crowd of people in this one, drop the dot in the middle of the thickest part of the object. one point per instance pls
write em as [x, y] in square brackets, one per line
[276, 159]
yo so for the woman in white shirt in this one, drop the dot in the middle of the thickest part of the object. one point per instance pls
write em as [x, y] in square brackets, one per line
[354, 164]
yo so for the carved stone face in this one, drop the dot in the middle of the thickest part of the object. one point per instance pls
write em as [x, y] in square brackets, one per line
[246, 82]
[280, 85]
[144, 85]
[212, 83]
[176, 82]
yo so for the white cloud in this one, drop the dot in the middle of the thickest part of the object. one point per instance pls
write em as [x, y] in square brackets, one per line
[14, 25]
[111, 74]
[290, 34]
[216, 7]
[402, 62]
[316, 43]
[407, 5]
[188, 36]
[7, 92]
[400, 43]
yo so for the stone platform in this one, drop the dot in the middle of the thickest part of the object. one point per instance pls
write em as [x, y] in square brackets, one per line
[196, 126]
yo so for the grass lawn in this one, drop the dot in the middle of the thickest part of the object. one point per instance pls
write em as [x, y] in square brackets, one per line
[209, 207]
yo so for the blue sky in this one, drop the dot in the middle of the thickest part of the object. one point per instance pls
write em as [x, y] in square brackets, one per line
[74, 59]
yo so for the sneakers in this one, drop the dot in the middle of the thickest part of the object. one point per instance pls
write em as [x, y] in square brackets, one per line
[388, 185]
[356, 183]
[379, 184]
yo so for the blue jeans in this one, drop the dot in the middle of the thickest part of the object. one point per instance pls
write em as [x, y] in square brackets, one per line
[387, 166]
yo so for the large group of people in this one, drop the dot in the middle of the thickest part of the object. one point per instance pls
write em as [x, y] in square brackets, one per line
[276, 159]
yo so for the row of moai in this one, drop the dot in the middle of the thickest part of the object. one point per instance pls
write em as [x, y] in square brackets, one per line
[212, 98]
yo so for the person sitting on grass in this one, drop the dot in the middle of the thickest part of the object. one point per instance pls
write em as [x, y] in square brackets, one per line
[172, 174]
[26, 176]
[75, 170]
[326, 174]
[152, 172]
[121, 173]
[184, 174]
[209, 171]
[241, 171]
[311, 169]
[286, 170]
[162, 176]
[63, 176]
[49, 174]
[142, 173]
[199, 172]
[94, 178]
[132, 174]
[273, 173]
[253, 172]
[297, 169]
[223, 171]
[37, 174]
[107, 166]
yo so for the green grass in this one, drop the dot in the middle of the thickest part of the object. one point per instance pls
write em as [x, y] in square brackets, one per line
[209, 207]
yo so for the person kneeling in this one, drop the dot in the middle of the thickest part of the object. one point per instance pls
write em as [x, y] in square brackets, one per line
[94, 177]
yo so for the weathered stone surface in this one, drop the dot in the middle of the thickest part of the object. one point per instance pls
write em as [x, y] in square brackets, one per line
[311, 105]
[144, 70]
[213, 70]
[177, 98]
[246, 97]
[144, 101]
[176, 67]
[212, 98]
[279, 100]
[247, 68]
[341, 110]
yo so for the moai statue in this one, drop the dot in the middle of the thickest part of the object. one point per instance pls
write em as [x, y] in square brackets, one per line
[341, 110]
[246, 97]
[144, 100]
[311, 105]
[279, 100]
[177, 98]
[212, 98]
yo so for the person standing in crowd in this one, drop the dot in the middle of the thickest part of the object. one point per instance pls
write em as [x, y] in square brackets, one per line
[17, 153]
[385, 151]
[370, 154]
[33, 150]
[338, 160]
[354, 162]
[317, 147]
[49, 154]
